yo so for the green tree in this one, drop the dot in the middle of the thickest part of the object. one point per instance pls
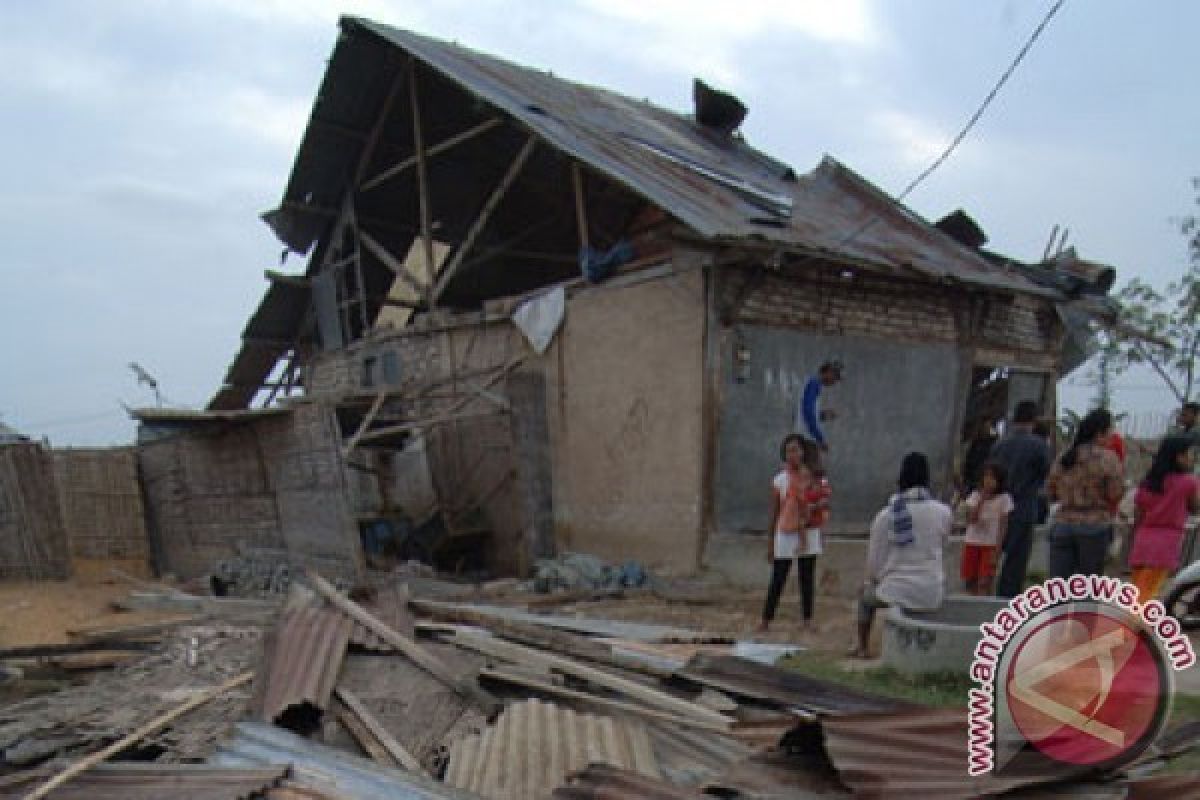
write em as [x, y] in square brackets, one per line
[1171, 316]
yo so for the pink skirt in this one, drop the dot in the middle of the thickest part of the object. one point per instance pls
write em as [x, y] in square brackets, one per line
[1156, 547]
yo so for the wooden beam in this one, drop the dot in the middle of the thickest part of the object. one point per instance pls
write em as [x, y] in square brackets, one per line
[580, 209]
[417, 654]
[545, 687]
[153, 726]
[377, 130]
[363, 736]
[422, 170]
[440, 147]
[391, 262]
[481, 221]
[381, 734]
[366, 423]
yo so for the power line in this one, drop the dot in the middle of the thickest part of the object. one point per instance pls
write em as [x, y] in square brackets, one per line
[987, 101]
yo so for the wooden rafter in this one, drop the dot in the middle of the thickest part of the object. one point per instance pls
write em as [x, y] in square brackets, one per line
[489, 207]
[422, 170]
[440, 147]
[580, 210]
[391, 262]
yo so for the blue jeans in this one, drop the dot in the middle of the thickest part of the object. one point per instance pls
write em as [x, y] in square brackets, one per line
[1078, 549]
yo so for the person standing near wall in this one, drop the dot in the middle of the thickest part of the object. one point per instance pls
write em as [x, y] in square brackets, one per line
[1163, 501]
[809, 414]
[1026, 460]
[1087, 482]
[787, 531]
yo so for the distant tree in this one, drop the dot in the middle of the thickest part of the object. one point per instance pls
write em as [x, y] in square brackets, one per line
[1172, 316]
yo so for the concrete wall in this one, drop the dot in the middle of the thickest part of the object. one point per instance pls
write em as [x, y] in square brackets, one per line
[895, 397]
[625, 403]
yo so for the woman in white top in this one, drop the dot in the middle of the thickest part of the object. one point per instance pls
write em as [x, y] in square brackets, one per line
[789, 527]
[904, 556]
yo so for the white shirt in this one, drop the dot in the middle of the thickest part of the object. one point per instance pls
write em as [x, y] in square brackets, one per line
[986, 530]
[911, 576]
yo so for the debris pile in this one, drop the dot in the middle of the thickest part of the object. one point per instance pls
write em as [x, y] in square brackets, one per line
[578, 571]
[386, 692]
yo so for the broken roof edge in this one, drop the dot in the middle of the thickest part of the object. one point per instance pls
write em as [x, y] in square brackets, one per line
[187, 416]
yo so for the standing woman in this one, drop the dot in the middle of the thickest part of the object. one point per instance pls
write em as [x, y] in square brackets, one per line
[1087, 482]
[789, 521]
[1163, 501]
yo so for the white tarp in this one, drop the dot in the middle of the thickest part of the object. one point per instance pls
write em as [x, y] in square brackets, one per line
[540, 317]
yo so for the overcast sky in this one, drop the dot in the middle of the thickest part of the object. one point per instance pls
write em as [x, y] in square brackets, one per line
[139, 140]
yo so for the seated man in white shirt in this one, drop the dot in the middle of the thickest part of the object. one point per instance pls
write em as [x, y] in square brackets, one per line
[904, 556]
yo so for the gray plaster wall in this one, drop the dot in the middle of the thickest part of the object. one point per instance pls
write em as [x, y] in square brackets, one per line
[895, 397]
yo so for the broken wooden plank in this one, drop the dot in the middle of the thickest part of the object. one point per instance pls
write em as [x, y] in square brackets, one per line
[394, 749]
[136, 630]
[365, 424]
[519, 654]
[153, 726]
[545, 687]
[417, 654]
[390, 261]
[362, 734]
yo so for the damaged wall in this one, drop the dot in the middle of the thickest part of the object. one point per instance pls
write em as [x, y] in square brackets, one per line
[102, 510]
[33, 539]
[625, 400]
[272, 482]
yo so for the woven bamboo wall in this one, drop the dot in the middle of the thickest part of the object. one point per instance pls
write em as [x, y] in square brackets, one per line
[33, 541]
[102, 504]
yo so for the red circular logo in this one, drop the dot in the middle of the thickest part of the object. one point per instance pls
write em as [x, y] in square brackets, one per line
[1085, 688]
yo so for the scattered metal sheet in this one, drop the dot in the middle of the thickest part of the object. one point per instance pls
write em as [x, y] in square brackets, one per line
[689, 757]
[605, 782]
[326, 770]
[155, 781]
[615, 629]
[914, 753]
[304, 653]
[790, 688]
[534, 745]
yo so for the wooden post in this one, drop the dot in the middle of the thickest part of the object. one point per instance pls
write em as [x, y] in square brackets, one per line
[485, 214]
[422, 169]
[153, 726]
[580, 208]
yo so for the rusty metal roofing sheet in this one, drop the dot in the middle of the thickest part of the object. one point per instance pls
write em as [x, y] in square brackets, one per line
[534, 745]
[327, 770]
[155, 781]
[744, 678]
[605, 782]
[720, 187]
[304, 654]
[914, 753]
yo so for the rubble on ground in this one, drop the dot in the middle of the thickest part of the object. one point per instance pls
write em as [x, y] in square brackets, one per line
[574, 571]
[390, 691]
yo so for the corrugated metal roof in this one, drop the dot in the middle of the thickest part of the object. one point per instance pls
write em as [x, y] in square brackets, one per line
[533, 746]
[604, 782]
[616, 629]
[914, 753]
[720, 187]
[267, 337]
[185, 416]
[744, 678]
[304, 654]
[327, 770]
[156, 781]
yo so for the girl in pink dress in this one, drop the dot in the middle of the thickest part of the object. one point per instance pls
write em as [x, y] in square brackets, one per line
[1162, 503]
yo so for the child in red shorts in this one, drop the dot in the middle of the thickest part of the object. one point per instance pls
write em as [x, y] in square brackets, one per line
[988, 508]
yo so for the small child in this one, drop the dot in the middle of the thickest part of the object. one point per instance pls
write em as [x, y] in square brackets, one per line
[790, 522]
[988, 508]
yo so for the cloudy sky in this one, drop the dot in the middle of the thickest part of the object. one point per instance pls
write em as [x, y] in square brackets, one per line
[140, 139]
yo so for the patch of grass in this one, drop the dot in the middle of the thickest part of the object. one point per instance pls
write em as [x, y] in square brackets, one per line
[945, 690]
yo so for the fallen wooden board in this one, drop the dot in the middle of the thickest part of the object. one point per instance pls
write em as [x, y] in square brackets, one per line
[417, 654]
[394, 749]
[519, 654]
[363, 736]
[153, 726]
[108, 631]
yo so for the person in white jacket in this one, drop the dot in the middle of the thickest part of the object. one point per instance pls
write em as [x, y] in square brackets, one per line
[904, 556]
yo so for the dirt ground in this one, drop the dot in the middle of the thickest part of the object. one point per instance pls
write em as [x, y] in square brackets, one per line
[42, 613]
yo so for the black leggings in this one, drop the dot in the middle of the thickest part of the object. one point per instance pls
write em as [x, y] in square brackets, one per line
[779, 573]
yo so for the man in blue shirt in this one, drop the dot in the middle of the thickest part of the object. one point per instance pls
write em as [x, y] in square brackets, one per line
[809, 417]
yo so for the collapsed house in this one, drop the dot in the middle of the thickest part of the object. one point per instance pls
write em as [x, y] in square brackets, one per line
[591, 317]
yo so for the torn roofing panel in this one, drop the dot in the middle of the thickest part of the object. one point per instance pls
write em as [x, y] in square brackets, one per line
[604, 782]
[327, 770]
[130, 781]
[304, 654]
[268, 336]
[744, 678]
[921, 752]
[533, 746]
